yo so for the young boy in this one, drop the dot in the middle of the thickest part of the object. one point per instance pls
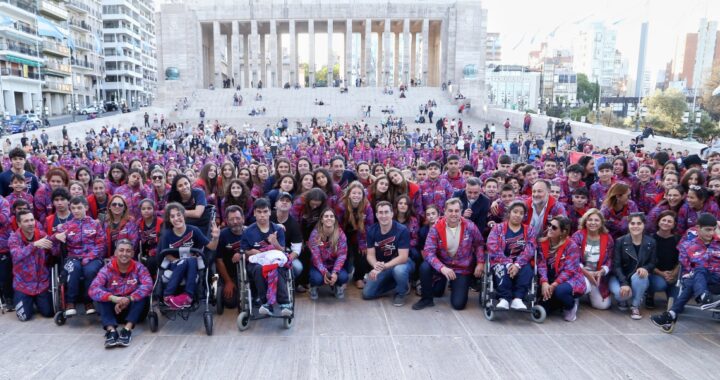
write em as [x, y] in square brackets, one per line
[17, 183]
[490, 189]
[578, 206]
[599, 189]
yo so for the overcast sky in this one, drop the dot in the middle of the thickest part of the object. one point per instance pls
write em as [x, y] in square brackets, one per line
[523, 25]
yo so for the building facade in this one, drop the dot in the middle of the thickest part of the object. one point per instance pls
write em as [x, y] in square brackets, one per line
[85, 26]
[514, 87]
[381, 43]
[57, 46]
[596, 55]
[130, 51]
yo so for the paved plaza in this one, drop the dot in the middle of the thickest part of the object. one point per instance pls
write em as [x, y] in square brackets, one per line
[355, 339]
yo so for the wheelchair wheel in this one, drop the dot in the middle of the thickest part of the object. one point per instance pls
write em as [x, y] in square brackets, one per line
[219, 307]
[60, 318]
[538, 314]
[489, 313]
[153, 321]
[208, 320]
[287, 323]
[243, 321]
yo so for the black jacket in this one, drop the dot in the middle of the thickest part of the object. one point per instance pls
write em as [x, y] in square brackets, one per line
[480, 209]
[626, 261]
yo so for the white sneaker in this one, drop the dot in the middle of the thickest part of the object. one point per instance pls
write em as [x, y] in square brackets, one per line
[517, 304]
[70, 312]
[313, 292]
[502, 304]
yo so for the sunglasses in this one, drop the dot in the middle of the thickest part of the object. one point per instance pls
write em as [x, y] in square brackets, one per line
[554, 227]
[157, 177]
[117, 205]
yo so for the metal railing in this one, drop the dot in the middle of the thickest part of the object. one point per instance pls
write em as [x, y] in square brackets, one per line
[64, 87]
[19, 73]
[54, 46]
[77, 62]
[49, 7]
[58, 66]
[84, 45]
[19, 48]
[80, 24]
[25, 5]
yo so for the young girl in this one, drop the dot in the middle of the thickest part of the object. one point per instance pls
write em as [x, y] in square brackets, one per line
[328, 246]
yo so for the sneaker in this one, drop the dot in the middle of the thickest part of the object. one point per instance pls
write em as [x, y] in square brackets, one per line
[703, 299]
[665, 321]
[313, 292]
[503, 304]
[300, 289]
[340, 292]
[9, 305]
[286, 310]
[125, 337]
[70, 310]
[623, 306]
[174, 302]
[423, 303]
[517, 304]
[265, 309]
[418, 289]
[571, 315]
[399, 300]
[89, 309]
[360, 284]
[635, 313]
[476, 285]
[111, 339]
[649, 301]
[186, 300]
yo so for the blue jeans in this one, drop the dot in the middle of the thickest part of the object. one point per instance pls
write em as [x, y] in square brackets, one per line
[693, 286]
[638, 285]
[563, 297]
[25, 305]
[433, 284]
[316, 278]
[297, 267]
[76, 272]
[182, 269]
[658, 284]
[396, 278]
[131, 313]
[508, 288]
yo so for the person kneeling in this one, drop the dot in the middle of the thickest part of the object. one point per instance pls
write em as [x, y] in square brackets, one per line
[121, 289]
[328, 246]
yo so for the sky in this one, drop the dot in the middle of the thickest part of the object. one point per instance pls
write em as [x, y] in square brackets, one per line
[523, 25]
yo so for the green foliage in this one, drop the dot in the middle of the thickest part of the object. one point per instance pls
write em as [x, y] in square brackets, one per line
[586, 91]
[578, 113]
[711, 103]
[555, 111]
[665, 112]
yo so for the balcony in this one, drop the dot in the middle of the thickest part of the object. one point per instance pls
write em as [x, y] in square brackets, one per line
[22, 49]
[63, 88]
[82, 64]
[19, 74]
[77, 6]
[25, 5]
[55, 48]
[84, 45]
[81, 25]
[57, 68]
[53, 10]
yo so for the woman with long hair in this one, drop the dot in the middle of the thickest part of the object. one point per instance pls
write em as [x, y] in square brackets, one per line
[245, 175]
[284, 183]
[311, 205]
[561, 279]
[262, 174]
[56, 177]
[208, 182]
[696, 202]
[116, 177]
[238, 195]
[159, 190]
[149, 226]
[305, 183]
[379, 190]
[692, 177]
[192, 200]
[673, 200]
[227, 174]
[646, 188]
[667, 267]
[119, 223]
[355, 216]
[303, 166]
[405, 214]
[77, 189]
[617, 207]
[324, 181]
[328, 247]
[621, 171]
[596, 248]
[85, 176]
[133, 191]
[399, 186]
[363, 173]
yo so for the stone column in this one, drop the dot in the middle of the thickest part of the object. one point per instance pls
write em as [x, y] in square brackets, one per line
[387, 40]
[217, 46]
[396, 61]
[406, 52]
[273, 80]
[413, 56]
[293, 53]
[245, 49]
[425, 48]
[348, 53]
[234, 71]
[263, 60]
[330, 55]
[254, 53]
[369, 68]
[311, 46]
[448, 32]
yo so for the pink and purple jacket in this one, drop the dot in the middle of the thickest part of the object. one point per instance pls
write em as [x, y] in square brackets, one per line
[695, 253]
[5, 225]
[42, 203]
[85, 239]
[644, 194]
[159, 198]
[653, 215]
[565, 264]
[496, 246]
[135, 284]
[31, 275]
[488, 163]
[413, 226]
[469, 253]
[324, 256]
[598, 192]
[457, 183]
[27, 197]
[617, 222]
[133, 196]
[359, 238]
[435, 192]
[126, 230]
[607, 246]
[111, 186]
[687, 216]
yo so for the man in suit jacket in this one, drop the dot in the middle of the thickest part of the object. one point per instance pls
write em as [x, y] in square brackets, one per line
[475, 205]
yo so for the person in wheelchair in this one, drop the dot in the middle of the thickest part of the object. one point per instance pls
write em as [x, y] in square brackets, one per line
[177, 234]
[192, 200]
[121, 290]
[86, 243]
[700, 270]
[149, 228]
[561, 277]
[229, 254]
[259, 237]
[30, 248]
[511, 245]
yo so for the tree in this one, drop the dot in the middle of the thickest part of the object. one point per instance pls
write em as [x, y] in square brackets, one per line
[586, 92]
[665, 112]
[711, 103]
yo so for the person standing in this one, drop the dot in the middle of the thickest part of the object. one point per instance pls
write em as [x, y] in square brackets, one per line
[18, 158]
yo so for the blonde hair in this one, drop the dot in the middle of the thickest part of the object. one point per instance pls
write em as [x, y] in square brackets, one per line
[588, 213]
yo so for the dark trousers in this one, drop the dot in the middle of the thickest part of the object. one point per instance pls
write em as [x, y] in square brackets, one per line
[356, 261]
[25, 305]
[231, 302]
[131, 313]
[693, 286]
[6, 277]
[183, 269]
[562, 298]
[256, 273]
[316, 278]
[77, 272]
[433, 285]
[509, 288]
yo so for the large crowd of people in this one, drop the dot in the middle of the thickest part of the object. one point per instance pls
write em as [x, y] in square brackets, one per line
[387, 209]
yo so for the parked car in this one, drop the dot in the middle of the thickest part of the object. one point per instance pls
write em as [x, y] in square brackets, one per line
[90, 110]
[110, 105]
[17, 126]
[30, 117]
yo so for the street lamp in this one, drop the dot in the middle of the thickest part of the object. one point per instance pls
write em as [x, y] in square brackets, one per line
[691, 121]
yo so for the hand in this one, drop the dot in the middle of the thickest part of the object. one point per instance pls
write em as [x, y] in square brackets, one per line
[467, 213]
[479, 270]
[292, 256]
[121, 303]
[43, 243]
[171, 258]
[236, 258]
[379, 266]
[642, 272]
[333, 279]
[228, 291]
[327, 278]
[61, 236]
[513, 271]
[373, 274]
[215, 232]
[546, 291]
[448, 273]
[495, 208]
[625, 291]
[272, 239]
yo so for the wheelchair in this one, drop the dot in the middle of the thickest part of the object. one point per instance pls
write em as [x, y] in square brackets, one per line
[201, 298]
[247, 309]
[489, 295]
[58, 288]
[709, 310]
